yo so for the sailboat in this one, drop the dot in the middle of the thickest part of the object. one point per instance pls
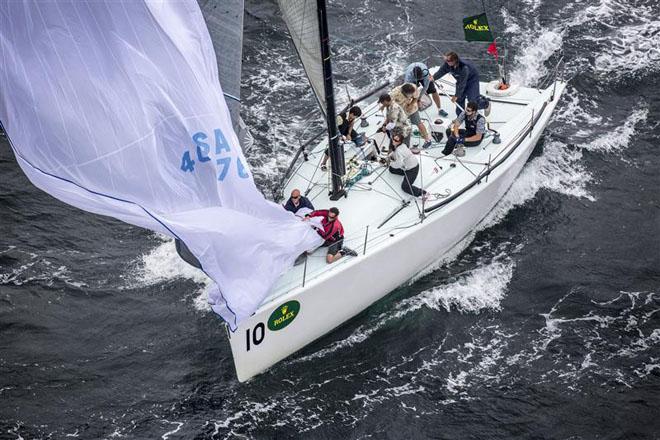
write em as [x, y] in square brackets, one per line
[397, 236]
[137, 126]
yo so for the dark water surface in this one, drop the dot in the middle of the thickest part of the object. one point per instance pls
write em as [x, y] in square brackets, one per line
[546, 325]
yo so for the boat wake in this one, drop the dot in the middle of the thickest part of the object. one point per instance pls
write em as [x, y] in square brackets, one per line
[469, 292]
[578, 342]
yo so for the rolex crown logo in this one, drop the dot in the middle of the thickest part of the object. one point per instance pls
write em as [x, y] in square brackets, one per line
[284, 309]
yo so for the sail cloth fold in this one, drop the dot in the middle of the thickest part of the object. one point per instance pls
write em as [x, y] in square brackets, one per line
[302, 21]
[116, 108]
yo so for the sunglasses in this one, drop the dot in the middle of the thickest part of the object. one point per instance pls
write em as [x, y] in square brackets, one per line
[295, 198]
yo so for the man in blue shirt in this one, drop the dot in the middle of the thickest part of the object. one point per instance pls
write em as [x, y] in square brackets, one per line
[418, 74]
[467, 81]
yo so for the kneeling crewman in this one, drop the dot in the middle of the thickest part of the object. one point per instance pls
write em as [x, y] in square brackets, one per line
[332, 233]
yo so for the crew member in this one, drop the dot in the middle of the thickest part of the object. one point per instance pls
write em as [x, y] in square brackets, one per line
[404, 163]
[332, 233]
[345, 123]
[395, 117]
[467, 81]
[298, 201]
[407, 96]
[418, 74]
[472, 135]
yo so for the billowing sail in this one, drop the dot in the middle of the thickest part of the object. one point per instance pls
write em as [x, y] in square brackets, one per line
[302, 20]
[224, 19]
[116, 108]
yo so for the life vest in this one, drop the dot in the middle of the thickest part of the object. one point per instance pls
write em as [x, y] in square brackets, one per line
[471, 125]
[332, 230]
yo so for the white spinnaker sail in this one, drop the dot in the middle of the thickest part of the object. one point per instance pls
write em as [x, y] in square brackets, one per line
[301, 18]
[115, 107]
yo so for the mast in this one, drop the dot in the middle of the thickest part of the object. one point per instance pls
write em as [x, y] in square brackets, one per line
[337, 161]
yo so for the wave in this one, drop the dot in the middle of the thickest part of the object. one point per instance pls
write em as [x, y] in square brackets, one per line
[162, 264]
[481, 288]
[529, 66]
[618, 138]
[39, 269]
[633, 50]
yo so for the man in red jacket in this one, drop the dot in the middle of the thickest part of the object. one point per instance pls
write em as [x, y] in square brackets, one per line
[332, 233]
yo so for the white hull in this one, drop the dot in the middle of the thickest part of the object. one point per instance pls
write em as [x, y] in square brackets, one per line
[331, 298]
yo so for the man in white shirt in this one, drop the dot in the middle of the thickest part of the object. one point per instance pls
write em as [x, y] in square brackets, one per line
[404, 163]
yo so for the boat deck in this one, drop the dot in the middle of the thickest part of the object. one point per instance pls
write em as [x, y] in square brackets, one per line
[376, 208]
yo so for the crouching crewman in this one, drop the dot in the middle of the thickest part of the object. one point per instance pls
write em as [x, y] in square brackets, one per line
[332, 233]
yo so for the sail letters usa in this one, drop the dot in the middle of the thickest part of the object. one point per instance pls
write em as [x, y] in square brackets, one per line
[476, 28]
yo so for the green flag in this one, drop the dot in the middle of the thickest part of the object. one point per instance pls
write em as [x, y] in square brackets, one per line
[477, 29]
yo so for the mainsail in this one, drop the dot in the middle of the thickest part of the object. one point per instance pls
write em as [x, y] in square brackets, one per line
[224, 20]
[301, 18]
[308, 25]
[116, 108]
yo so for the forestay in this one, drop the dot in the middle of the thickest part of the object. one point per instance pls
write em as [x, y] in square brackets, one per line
[116, 108]
[302, 20]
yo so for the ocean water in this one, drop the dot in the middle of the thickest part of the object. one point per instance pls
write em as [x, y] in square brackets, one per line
[545, 323]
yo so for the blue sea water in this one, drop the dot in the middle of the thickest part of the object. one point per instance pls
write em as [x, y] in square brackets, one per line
[545, 325]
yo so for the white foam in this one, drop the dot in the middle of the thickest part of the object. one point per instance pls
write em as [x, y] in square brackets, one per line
[619, 137]
[558, 169]
[533, 4]
[162, 264]
[529, 66]
[482, 288]
[629, 44]
[577, 110]
[39, 269]
[173, 431]
[532, 53]
[473, 291]
[599, 13]
[634, 49]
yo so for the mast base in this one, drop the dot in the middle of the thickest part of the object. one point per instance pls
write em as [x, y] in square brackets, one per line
[337, 195]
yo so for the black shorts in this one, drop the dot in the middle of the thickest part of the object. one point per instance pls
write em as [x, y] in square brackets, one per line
[334, 246]
[431, 88]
